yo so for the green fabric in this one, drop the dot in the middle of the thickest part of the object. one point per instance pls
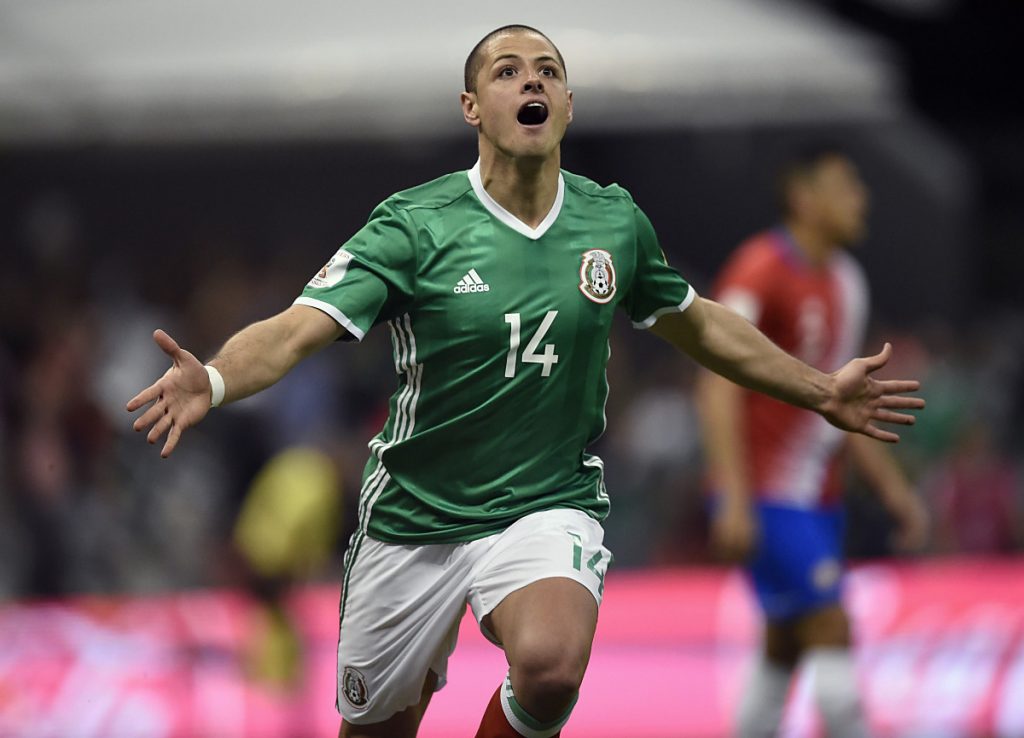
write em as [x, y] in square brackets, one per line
[480, 432]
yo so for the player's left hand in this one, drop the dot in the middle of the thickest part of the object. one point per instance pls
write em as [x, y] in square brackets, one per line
[859, 400]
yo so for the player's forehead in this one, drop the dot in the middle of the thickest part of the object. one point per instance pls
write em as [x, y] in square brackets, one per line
[521, 44]
[835, 169]
[838, 164]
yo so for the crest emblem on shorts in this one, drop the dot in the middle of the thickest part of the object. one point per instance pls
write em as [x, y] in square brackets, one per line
[353, 686]
[826, 574]
[597, 276]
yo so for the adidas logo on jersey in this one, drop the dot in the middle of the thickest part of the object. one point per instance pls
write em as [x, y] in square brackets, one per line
[471, 283]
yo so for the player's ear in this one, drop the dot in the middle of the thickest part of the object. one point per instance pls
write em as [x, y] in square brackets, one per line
[569, 117]
[470, 109]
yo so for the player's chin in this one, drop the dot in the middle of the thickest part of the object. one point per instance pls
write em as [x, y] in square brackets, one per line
[539, 139]
[852, 236]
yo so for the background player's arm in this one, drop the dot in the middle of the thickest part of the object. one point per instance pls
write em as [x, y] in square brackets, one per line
[720, 405]
[253, 359]
[729, 345]
[884, 474]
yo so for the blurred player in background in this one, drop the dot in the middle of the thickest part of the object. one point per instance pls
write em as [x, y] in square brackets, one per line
[286, 532]
[499, 285]
[777, 468]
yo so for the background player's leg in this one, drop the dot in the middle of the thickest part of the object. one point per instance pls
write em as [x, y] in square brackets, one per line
[402, 725]
[547, 629]
[763, 700]
[824, 636]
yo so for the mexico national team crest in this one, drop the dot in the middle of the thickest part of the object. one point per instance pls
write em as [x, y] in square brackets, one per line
[597, 276]
[353, 686]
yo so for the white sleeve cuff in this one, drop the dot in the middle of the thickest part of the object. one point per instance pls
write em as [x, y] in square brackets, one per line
[653, 317]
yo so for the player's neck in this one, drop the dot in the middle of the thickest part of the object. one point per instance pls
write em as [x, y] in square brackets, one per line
[527, 188]
[816, 247]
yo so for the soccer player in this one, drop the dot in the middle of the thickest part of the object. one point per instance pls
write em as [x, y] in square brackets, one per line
[776, 468]
[498, 285]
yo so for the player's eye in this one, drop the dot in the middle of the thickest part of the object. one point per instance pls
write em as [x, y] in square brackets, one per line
[548, 72]
[507, 71]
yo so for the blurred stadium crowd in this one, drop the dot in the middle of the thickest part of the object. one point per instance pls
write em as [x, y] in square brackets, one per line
[88, 507]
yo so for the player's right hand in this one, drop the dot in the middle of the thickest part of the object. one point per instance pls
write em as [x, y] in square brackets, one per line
[180, 398]
[734, 532]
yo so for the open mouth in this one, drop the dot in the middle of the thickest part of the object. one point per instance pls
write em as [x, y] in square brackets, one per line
[532, 114]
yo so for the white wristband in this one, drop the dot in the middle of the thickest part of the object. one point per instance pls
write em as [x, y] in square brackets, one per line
[216, 386]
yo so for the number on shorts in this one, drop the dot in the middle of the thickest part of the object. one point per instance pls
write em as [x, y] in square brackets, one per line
[592, 563]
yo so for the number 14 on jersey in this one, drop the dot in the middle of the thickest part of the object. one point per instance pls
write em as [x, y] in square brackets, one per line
[547, 359]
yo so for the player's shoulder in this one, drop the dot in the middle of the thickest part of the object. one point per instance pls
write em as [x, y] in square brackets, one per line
[588, 188]
[433, 195]
[845, 263]
[756, 264]
[761, 251]
[849, 271]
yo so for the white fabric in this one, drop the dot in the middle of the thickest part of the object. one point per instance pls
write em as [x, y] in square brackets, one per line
[495, 208]
[834, 682]
[217, 389]
[507, 697]
[763, 700]
[404, 602]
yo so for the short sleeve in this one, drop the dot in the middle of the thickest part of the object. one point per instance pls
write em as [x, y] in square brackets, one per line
[657, 288]
[371, 276]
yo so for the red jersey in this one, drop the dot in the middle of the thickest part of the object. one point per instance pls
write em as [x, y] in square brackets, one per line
[818, 314]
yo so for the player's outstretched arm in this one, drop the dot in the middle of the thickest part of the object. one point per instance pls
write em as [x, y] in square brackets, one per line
[850, 398]
[253, 359]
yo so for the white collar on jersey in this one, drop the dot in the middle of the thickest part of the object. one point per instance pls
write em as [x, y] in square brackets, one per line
[506, 217]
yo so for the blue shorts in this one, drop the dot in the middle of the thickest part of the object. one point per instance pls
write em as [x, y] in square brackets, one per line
[797, 565]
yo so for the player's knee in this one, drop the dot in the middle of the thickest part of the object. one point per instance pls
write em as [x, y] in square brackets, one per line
[548, 669]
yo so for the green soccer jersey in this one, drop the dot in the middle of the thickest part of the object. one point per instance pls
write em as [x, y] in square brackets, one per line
[500, 336]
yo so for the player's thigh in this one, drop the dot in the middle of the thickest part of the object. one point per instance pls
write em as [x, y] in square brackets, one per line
[400, 610]
[547, 625]
[827, 626]
[541, 586]
[781, 643]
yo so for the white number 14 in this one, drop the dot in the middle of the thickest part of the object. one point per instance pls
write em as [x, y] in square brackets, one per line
[530, 356]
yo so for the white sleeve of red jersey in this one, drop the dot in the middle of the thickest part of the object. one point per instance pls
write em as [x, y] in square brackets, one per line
[742, 301]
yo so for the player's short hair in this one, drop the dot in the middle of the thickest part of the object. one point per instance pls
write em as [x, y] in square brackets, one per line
[475, 60]
[801, 165]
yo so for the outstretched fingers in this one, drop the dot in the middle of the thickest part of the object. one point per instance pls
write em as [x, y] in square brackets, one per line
[900, 402]
[898, 386]
[172, 440]
[149, 417]
[148, 395]
[879, 434]
[167, 344]
[160, 427]
[880, 359]
[888, 416]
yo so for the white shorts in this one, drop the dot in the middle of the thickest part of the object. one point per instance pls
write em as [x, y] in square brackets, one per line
[402, 604]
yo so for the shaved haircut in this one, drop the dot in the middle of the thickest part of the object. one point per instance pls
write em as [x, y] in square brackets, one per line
[475, 60]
